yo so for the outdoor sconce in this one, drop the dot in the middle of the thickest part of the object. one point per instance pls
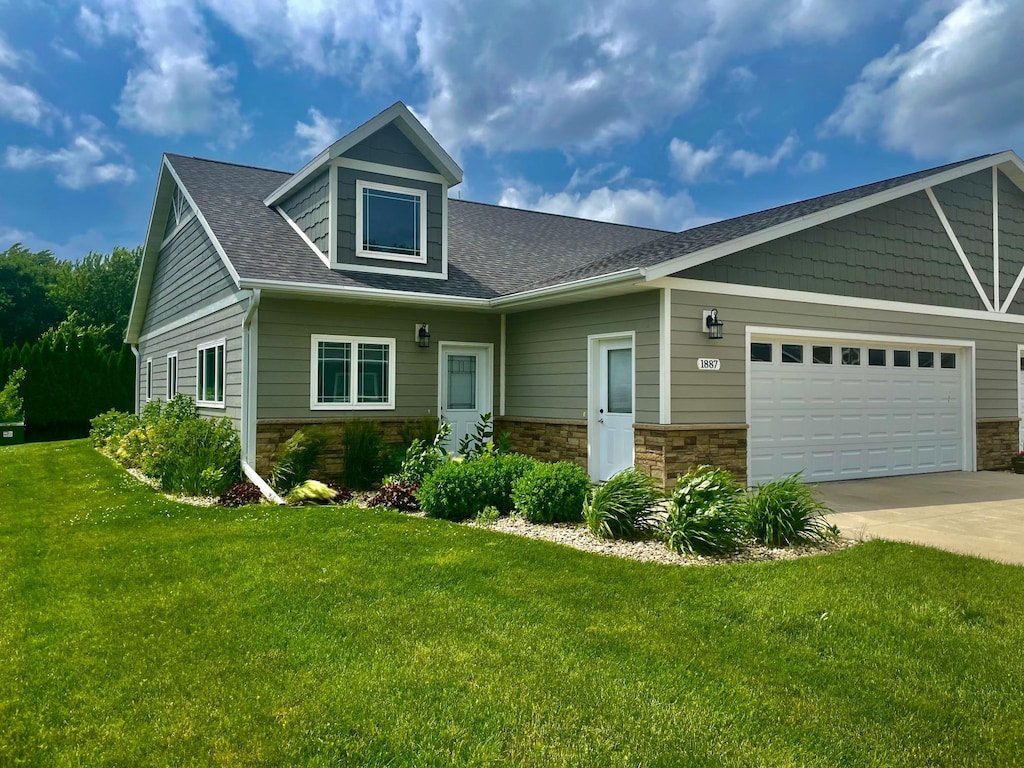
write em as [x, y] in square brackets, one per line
[712, 324]
[423, 335]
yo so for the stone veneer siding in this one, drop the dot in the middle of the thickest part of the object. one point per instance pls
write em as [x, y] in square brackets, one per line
[997, 441]
[666, 451]
[547, 439]
[272, 433]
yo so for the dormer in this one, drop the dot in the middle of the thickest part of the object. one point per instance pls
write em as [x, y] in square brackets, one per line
[376, 200]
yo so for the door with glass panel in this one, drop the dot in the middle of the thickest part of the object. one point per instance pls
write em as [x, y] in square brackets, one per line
[464, 387]
[613, 409]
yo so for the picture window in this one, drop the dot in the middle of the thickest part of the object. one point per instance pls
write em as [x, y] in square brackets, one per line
[391, 222]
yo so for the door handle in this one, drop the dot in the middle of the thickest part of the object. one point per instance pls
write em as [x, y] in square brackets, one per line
[600, 421]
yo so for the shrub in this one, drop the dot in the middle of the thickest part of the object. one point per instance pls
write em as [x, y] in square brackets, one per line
[297, 457]
[498, 475]
[481, 440]
[423, 456]
[111, 425]
[131, 448]
[151, 412]
[787, 512]
[198, 456]
[363, 446]
[179, 408]
[453, 491]
[551, 493]
[397, 496]
[311, 492]
[623, 507]
[12, 407]
[240, 495]
[704, 516]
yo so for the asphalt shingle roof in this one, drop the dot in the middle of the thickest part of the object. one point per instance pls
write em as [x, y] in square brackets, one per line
[492, 250]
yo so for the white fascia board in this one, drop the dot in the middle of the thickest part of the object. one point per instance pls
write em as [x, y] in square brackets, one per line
[407, 123]
[206, 225]
[760, 237]
[784, 294]
[524, 298]
[283, 287]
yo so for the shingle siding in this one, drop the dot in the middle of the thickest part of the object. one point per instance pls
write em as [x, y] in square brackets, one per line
[189, 274]
[309, 208]
[1011, 240]
[967, 203]
[389, 146]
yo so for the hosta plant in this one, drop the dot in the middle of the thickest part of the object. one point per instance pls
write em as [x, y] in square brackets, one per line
[787, 512]
[624, 506]
[704, 515]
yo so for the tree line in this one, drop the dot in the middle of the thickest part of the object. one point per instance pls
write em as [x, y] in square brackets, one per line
[63, 322]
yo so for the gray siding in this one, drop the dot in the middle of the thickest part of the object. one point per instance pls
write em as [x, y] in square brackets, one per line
[897, 251]
[285, 328]
[967, 203]
[546, 358]
[389, 146]
[720, 397]
[225, 323]
[347, 221]
[1011, 239]
[309, 207]
[189, 274]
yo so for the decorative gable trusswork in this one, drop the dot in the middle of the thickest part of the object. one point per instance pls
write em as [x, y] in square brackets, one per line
[181, 213]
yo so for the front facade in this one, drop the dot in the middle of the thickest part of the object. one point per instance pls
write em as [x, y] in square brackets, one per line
[876, 331]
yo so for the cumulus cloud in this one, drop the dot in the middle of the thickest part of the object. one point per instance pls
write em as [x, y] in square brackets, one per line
[316, 135]
[86, 161]
[690, 163]
[750, 163]
[956, 92]
[22, 104]
[811, 161]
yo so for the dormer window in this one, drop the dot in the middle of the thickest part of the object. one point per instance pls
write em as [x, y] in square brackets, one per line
[391, 222]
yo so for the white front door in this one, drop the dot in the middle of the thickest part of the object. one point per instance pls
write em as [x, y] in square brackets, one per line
[612, 407]
[464, 387]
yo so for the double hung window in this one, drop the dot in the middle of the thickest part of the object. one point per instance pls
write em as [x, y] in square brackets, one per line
[172, 375]
[352, 373]
[210, 374]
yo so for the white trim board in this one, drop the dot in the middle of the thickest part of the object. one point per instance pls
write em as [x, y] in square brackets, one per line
[785, 294]
[665, 358]
[305, 238]
[388, 170]
[199, 314]
[364, 294]
[995, 239]
[955, 241]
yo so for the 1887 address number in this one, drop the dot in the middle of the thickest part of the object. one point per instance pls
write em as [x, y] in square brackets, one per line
[708, 364]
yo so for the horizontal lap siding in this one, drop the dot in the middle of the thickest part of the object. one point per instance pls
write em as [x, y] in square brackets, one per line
[189, 274]
[701, 397]
[546, 361]
[286, 327]
[226, 324]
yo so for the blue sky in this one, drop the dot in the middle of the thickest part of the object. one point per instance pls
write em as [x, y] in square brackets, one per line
[657, 113]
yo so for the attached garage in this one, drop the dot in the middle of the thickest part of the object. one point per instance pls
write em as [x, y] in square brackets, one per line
[838, 407]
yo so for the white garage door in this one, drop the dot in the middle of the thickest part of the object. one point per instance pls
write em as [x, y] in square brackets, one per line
[841, 409]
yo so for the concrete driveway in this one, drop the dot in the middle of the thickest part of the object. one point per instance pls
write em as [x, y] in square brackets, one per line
[975, 513]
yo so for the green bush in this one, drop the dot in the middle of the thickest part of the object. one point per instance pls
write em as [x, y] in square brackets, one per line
[498, 475]
[552, 493]
[111, 425]
[482, 441]
[363, 448]
[423, 456]
[12, 407]
[624, 506]
[179, 408]
[787, 512]
[453, 491]
[297, 458]
[199, 457]
[130, 449]
[152, 412]
[704, 516]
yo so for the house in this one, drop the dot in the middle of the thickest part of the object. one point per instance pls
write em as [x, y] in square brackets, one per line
[874, 331]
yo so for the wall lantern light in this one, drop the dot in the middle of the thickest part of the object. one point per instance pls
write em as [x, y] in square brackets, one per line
[712, 324]
[423, 335]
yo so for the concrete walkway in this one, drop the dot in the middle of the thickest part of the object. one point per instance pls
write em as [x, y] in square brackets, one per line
[975, 513]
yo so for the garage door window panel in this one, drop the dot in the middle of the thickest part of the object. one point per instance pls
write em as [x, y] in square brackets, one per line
[792, 353]
[761, 352]
[876, 357]
[947, 360]
[851, 355]
[821, 355]
[925, 359]
[901, 358]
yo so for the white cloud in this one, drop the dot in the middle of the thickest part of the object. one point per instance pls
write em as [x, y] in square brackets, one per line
[741, 78]
[177, 89]
[690, 163]
[316, 135]
[750, 163]
[22, 104]
[956, 93]
[811, 161]
[84, 162]
[639, 207]
[8, 56]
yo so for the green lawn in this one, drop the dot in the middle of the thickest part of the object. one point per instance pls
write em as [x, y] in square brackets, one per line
[137, 631]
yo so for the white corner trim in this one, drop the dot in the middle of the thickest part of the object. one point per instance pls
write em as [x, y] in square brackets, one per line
[228, 301]
[387, 170]
[206, 225]
[995, 239]
[958, 248]
[501, 367]
[332, 212]
[298, 230]
[665, 358]
[444, 231]
[785, 294]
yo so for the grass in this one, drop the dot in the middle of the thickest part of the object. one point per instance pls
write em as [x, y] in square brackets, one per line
[138, 631]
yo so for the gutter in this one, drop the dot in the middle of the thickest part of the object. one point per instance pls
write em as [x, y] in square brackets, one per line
[248, 437]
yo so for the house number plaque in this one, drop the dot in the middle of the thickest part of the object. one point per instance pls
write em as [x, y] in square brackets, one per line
[708, 364]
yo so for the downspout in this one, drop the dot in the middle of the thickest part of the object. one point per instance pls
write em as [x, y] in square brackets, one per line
[135, 405]
[249, 401]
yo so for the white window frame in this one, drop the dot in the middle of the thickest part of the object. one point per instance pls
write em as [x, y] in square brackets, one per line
[365, 254]
[149, 379]
[172, 381]
[218, 373]
[354, 341]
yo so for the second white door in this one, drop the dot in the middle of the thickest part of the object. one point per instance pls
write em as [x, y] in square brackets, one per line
[464, 387]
